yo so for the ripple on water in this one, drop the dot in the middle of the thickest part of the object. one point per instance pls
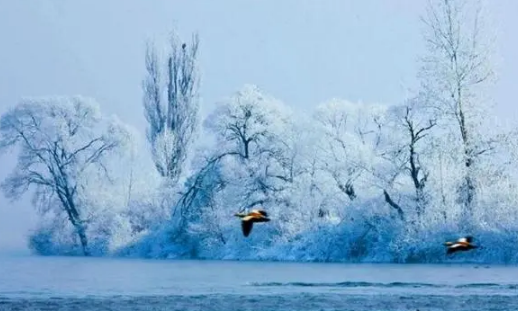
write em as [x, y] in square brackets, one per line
[289, 302]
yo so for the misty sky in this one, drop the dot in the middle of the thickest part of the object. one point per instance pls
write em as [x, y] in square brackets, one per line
[302, 52]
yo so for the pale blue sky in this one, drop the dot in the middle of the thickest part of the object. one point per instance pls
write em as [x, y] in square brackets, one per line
[302, 52]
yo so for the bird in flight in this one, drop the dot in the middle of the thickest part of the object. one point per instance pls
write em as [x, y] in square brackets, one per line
[462, 244]
[248, 220]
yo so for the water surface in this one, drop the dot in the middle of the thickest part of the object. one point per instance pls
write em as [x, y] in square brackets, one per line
[76, 283]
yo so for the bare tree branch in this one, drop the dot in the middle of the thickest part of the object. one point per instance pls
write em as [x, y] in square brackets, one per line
[172, 122]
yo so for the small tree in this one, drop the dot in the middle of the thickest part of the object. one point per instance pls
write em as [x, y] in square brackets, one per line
[60, 140]
[171, 105]
[413, 123]
[455, 71]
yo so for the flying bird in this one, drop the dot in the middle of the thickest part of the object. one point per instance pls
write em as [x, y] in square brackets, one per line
[462, 244]
[247, 220]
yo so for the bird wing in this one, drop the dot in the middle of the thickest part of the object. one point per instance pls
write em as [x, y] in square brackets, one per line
[248, 218]
[264, 213]
[258, 214]
[247, 227]
[466, 239]
[456, 245]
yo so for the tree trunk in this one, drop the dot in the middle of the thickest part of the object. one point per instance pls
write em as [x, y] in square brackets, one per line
[394, 205]
[73, 216]
[414, 174]
[468, 190]
[80, 229]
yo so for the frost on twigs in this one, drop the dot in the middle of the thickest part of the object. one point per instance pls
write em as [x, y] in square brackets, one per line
[61, 143]
[171, 104]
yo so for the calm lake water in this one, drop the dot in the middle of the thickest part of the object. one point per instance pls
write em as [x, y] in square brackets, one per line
[73, 283]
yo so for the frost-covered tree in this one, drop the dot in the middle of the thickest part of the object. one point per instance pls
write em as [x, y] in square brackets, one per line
[456, 71]
[171, 104]
[255, 129]
[410, 129]
[250, 164]
[60, 140]
[351, 132]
